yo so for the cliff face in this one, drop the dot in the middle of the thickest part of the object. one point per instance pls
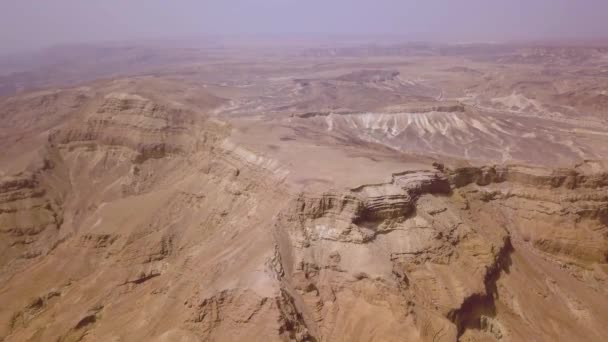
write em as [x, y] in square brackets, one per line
[447, 255]
[31, 214]
[140, 219]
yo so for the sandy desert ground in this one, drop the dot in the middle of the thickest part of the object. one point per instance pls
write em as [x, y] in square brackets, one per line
[300, 190]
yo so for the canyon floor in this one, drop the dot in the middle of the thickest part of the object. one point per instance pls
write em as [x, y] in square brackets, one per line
[304, 191]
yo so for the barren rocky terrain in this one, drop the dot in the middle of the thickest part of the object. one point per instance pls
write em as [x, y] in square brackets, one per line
[301, 191]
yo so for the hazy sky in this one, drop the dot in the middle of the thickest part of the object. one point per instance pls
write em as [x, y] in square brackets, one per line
[34, 23]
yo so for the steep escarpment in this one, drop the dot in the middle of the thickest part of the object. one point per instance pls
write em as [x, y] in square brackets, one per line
[359, 215]
[388, 250]
[525, 175]
[101, 149]
[117, 210]
[430, 253]
[125, 120]
[561, 212]
[556, 221]
[31, 211]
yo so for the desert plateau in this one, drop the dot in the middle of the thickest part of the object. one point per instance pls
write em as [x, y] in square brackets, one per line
[304, 190]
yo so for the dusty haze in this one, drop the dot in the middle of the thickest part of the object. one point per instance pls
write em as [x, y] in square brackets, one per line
[31, 24]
